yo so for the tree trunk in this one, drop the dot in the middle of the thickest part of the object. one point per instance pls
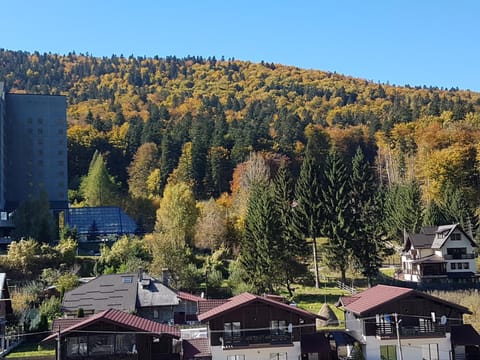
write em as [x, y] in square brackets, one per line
[315, 262]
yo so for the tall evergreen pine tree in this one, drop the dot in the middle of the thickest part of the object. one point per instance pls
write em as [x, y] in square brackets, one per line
[337, 224]
[308, 207]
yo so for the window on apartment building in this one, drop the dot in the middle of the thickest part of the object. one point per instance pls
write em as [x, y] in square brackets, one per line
[278, 356]
[430, 352]
[466, 265]
[236, 357]
[388, 352]
[456, 236]
[453, 266]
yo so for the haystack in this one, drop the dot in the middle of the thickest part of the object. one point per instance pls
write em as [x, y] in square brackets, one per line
[327, 313]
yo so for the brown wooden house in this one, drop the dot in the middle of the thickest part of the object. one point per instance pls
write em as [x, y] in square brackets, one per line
[114, 334]
[253, 327]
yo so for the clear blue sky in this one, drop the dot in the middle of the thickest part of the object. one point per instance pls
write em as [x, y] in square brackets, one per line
[416, 42]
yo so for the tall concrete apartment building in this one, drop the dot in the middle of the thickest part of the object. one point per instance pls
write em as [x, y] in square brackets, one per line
[33, 150]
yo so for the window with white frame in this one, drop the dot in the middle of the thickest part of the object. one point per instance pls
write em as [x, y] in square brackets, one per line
[235, 357]
[278, 356]
[430, 352]
[456, 236]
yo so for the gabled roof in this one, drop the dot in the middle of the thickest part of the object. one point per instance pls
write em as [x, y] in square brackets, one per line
[196, 348]
[102, 220]
[152, 292]
[379, 295]
[129, 321]
[246, 299]
[117, 291]
[433, 237]
[446, 231]
[209, 304]
[419, 241]
[64, 323]
[189, 297]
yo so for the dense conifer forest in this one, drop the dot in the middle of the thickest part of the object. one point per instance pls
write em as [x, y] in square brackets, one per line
[182, 143]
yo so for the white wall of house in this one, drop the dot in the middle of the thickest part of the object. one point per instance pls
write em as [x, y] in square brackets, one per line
[412, 349]
[459, 263]
[293, 352]
[354, 327]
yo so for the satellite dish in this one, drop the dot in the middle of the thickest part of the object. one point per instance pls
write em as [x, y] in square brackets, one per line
[443, 320]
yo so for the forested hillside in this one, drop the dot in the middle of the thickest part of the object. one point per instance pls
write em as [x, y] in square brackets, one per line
[210, 126]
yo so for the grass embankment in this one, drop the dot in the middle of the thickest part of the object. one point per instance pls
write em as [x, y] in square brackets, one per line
[312, 299]
[31, 350]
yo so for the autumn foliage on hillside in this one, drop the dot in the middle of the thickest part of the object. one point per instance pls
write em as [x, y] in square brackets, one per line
[195, 120]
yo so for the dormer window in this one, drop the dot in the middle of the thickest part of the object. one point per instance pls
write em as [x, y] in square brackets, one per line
[456, 236]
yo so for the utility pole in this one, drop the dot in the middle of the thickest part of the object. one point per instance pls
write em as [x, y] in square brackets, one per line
[59, 345]
[397, 322]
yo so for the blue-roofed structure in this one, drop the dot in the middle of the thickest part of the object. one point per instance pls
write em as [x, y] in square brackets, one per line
[98, 223]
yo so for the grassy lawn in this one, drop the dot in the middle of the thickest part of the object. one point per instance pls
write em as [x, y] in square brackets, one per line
[312, 299]
[27, 350]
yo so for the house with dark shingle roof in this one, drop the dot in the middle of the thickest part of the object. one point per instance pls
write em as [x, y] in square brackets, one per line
[439, 254]
[248, 326]
[388, 321]
[134, 293]
[116, 334]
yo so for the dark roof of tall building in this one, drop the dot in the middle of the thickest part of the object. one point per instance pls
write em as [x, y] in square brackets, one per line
[132, 322]
[382, 294]
[247, 298]
[104, 220]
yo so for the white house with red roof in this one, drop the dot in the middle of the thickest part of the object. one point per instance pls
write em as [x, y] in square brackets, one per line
[439, 253]
[390, 322]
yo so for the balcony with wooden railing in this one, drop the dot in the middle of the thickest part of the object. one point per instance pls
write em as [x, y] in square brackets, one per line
[426, 330]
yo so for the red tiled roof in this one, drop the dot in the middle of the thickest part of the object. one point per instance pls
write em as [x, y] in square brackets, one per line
[372, 298]
[381, 294]
[209, 304]
[196, 348]
[189, 297]
[64, 323]
[130, 321]
[247, 298]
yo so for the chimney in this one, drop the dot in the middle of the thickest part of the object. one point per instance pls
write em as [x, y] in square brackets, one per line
[140, 274]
